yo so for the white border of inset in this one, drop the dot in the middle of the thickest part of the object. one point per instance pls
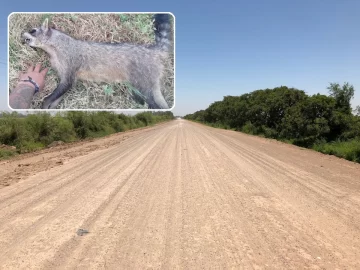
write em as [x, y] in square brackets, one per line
[111, 110]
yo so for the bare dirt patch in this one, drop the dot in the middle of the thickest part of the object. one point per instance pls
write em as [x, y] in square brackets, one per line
[25, 165]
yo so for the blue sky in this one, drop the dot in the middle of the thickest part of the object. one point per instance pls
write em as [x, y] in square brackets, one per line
[234, 47]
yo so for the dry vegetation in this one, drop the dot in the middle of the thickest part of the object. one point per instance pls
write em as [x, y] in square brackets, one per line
[133, 28]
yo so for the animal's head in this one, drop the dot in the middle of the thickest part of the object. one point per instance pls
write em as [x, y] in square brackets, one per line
[38, 37]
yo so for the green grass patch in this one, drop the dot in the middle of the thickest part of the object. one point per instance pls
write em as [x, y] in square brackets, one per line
[36, 131]
[27, 146]
[4, 153]
[349, 150]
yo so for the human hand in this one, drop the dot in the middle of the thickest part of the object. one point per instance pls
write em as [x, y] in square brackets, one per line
[36, 75]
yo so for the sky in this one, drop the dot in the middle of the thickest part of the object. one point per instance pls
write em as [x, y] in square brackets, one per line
[235, 47]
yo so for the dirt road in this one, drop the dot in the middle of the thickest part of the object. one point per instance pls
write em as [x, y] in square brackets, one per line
[180, 196]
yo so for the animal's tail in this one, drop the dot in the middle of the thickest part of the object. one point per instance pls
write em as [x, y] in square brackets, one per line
[163, 31]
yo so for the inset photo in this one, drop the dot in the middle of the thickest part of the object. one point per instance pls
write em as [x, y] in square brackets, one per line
[91, 61]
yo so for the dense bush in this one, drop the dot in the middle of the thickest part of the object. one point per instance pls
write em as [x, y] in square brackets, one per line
[291, 115]
[35, 131]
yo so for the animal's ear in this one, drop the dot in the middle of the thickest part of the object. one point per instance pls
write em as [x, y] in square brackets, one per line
[45, 25]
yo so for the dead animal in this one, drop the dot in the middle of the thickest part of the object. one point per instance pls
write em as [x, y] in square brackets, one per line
[140, 65]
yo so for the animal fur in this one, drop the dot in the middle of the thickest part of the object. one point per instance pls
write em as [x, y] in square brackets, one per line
[141, 66]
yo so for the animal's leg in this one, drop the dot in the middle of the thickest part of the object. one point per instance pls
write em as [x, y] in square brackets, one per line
[66, 82]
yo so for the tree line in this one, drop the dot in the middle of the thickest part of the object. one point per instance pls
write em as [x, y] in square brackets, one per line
[324, 123]
[24, 133]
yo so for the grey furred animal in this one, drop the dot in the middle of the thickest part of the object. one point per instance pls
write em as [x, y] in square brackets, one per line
[140, 65]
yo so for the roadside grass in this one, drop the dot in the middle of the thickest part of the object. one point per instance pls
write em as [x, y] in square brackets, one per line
[349, 150]
[28, 133]
[115, 28]
[5, 154]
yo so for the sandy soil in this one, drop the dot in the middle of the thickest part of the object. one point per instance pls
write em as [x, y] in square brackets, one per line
[179, 196]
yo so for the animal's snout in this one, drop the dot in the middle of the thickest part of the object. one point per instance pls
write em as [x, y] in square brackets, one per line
[25, 38]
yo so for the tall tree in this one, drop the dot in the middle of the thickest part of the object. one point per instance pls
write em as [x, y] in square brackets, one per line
[342, 95]
[357, 110]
